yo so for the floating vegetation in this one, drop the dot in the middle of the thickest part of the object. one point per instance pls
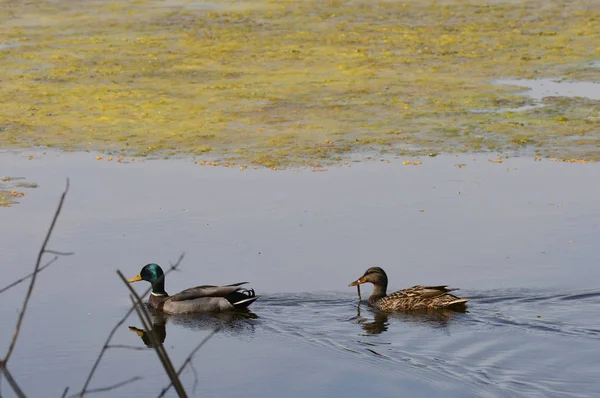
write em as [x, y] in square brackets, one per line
[278, 83]
[572, 160]
[11, 190]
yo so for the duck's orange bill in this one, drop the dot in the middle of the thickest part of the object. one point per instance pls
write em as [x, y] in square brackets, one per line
[358, 282]
[136, 278]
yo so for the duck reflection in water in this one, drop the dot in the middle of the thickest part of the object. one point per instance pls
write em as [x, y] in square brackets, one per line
[238, 322]
[438, 318]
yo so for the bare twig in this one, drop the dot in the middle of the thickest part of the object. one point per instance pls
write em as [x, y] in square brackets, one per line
[114, 329]
[43, 267]
[144, 318]
[33, 277]
[64, 394]
[189, 358]
[18, 392]
[191, 355]
[59, 253]
[99, 358]
[128, 347]
[23, 279]
[111, 387]
[156, 343]
[195, 377]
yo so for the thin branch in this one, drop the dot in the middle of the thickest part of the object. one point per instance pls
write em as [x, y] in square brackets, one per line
[23, 279]
[33, 277]
[102, 351]
[156, 343]
[128, 347]
[191, 355]
[64, 394]
[18, 392]
[112, 387]
[60, 253]
[195, 377]
[189, 358]
[144, 318]
[114, 330]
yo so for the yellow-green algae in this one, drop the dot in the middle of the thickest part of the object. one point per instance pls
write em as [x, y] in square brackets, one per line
[10, 190]
[294, 82]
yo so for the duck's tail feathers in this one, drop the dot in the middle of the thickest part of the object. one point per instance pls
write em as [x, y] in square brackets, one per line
[242, 298]
[244, 303]
[459, 304]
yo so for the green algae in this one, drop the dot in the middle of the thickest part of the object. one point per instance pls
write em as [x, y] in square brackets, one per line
[277, 83]
[10, 190]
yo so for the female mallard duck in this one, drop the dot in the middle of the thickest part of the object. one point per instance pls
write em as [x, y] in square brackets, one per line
[196, 299]
[414, 298]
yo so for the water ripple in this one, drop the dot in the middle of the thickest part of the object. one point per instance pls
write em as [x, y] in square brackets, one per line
[502, 342]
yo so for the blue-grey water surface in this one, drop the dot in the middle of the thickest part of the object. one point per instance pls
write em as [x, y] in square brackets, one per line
[520, 238]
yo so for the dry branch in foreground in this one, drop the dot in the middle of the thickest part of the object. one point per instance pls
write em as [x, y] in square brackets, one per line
[3, 363]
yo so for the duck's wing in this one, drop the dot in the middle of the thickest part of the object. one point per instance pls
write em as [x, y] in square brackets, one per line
[207, 291]
[422, 297]
[423, 291]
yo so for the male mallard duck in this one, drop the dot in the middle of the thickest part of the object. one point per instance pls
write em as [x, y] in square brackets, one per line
[195, 299]
[414, 298]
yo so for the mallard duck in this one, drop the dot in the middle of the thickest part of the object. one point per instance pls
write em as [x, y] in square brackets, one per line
[195, 299]
[414, 298]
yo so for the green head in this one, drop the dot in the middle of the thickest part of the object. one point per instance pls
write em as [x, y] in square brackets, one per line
[154, 274]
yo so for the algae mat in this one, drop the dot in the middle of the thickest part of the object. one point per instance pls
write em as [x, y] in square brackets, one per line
[295, 82]
[10, 190]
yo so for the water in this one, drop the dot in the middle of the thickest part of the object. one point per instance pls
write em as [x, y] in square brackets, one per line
[8, 46]
[520, 238]
[540, 88]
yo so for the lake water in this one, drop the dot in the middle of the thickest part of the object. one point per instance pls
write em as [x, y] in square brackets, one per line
[541, 88]
[520, 238]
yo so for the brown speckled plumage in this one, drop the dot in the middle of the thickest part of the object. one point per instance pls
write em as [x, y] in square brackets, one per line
[418, 298]
[413, 298]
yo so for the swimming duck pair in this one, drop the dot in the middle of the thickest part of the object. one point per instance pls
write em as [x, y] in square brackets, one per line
[209, 298]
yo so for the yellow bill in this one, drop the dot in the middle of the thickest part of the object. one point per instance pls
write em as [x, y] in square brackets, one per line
[136, 278]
